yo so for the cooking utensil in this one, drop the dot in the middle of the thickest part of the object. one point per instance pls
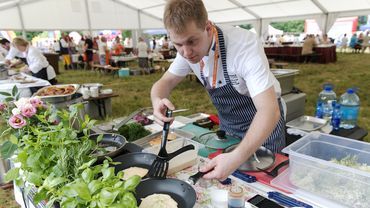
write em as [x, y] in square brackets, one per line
[307, 123]
[159, 167]
[110, 139]
[143, 160]
[274, 172]
[180, 191]
[192, 180]
[265, 159]
[127, 119]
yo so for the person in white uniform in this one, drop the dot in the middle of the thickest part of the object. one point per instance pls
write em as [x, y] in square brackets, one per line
[232, 66]
[37, 62]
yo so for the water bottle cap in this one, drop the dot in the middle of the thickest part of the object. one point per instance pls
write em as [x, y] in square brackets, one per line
[328, 87]
[350, 91]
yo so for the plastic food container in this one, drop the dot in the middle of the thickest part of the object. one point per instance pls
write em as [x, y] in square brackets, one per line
[285, 78]
[313, 170]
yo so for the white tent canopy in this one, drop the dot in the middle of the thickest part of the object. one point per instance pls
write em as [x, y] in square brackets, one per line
[147, 14]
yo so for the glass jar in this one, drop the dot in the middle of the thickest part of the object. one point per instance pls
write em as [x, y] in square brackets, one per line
[236, 197]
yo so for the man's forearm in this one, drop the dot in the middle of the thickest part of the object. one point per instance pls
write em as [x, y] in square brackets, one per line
[159, 91]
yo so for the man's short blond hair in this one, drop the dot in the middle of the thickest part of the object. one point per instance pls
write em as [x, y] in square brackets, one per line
[18, 41]
[178, 13]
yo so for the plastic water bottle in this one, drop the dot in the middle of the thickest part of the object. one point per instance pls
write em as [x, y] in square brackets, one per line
[350, 106]
[319, 113]
[335, 119]
[326, 97]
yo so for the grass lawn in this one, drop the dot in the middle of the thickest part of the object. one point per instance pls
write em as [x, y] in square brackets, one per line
[351, 70]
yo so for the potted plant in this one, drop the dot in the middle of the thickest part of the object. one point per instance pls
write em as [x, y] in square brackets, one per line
[56, 158]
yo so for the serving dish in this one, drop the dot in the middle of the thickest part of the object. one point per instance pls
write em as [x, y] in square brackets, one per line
[307, 123]
[52, 98]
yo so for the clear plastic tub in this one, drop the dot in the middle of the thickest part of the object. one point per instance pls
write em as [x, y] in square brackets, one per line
[312, 168]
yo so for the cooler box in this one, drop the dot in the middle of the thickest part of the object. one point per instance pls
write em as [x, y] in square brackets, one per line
[285, 78]
[124, 72]
[295, 103]
[329, 167]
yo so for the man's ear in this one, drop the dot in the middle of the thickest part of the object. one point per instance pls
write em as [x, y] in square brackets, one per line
[209, 27]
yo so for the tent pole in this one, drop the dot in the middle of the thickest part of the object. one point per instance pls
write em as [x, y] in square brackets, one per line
[21, 20]
[88, 17]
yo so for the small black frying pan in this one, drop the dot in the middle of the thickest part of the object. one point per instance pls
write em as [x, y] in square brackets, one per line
[180, 191]
[143, 160]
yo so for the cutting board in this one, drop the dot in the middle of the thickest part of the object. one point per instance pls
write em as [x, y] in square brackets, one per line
[180, 162]
[266, 179]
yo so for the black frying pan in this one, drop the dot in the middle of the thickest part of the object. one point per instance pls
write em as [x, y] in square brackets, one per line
[143, 160]
[180, 191]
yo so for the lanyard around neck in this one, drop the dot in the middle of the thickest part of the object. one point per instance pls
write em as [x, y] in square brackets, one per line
[215, 60]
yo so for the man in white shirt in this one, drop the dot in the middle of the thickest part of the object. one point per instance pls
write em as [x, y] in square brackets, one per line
[102, 46]
[232, 66]
[142, 48]
[344, 43]
[37, 62]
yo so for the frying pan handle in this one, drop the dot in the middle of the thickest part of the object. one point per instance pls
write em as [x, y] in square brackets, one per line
[181, 150]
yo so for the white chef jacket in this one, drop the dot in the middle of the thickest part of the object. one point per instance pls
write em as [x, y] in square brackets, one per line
[13, 52]
[37, 61]
[247, 65]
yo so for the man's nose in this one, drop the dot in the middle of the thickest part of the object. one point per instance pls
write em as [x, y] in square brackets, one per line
[187, 51]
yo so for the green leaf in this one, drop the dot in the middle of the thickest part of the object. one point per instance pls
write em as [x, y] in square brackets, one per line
[128, 200]
[34, 178]
[94, 186]
[7, 149]
[12, 174]
[69, 191]
[87, 175]
[107, 197]
[107, 173]
[131, 183]
[69, 203]
[8, 99]
[34, 159]
[82, 190]
[22, 157]
[14, 91]
[88, 164]
[5, 94]
[51, 182]
[13, 139]
[39, 196]
[100, 137]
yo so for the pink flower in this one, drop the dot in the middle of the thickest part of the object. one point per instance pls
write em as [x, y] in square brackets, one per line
[28, 110]
[17, 121]
[36, 102]
[2, 106]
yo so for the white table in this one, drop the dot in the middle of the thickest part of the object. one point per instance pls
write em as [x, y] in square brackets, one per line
[24, 88]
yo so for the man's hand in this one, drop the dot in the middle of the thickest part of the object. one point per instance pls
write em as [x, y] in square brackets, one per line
[223, 165]
[159, 110]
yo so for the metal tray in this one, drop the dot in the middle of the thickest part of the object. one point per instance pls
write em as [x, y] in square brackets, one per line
[144, 142]
[307, 123]
[57, 98]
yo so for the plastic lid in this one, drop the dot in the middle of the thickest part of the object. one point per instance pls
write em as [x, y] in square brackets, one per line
[337, 105]
[350, 91]
[328, 87]
[236, 191]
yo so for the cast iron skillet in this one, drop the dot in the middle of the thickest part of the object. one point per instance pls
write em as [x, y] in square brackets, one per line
[110, 139]
[143, 160]
[180, 191]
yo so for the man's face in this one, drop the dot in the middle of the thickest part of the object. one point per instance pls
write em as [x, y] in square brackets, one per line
[194, 43]
[6, 46]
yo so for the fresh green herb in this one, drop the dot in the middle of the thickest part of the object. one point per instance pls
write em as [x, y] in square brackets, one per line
[133, 131]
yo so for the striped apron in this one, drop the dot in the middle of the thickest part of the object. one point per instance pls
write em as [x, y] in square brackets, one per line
[237, 111]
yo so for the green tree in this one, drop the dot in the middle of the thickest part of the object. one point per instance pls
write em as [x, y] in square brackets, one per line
[126, 33]
[295, 26]
[30, 34]
[246, 26]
